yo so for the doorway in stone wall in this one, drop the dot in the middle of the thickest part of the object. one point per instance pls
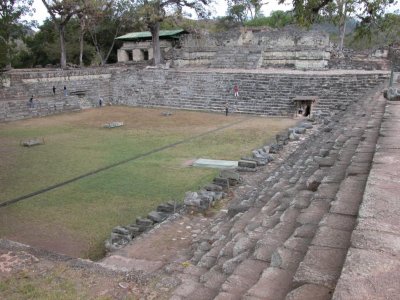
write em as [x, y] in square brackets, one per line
[145, 54]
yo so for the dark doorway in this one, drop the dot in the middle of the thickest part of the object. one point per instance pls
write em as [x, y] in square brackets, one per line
[145, 54]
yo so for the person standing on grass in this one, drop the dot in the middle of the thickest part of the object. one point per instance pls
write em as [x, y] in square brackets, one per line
[226, 109]
[54, 90]
[236, 90]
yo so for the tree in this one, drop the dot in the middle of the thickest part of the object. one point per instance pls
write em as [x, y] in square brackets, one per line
[11, 26]
[277, 19]
[153, 12]
[105, 24]
[61, 12]
[367, 11]
[242, 10]
[44, 45]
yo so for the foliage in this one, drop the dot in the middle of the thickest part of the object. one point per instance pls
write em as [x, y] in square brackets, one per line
[44, 46]
[277, 19]
[61, 12]
[242, 10]
[385, 32]
[153, 12]
[367, 11]
[12, 27]
[106, 24]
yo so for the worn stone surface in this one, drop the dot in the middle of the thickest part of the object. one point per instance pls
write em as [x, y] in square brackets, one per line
[330, 237]
[339, 221]
[274, 284]
[314, 213]
[310, 291]
[327, 191]
[321, 265]
[368, 275]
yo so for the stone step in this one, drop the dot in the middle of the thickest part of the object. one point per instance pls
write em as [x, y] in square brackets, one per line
[290, 234]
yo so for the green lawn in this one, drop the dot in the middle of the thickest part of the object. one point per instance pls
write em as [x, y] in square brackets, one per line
[76, 218]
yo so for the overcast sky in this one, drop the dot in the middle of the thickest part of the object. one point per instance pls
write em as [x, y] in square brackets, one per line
[220, 9]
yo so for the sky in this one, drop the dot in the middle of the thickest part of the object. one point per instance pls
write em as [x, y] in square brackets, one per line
[220, 9]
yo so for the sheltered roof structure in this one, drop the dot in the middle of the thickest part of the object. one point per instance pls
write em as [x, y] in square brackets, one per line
[146, 35]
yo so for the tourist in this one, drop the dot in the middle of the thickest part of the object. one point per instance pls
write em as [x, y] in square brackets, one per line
[226, 109]
[100, 102]
[31, 102]
[65, 91]
[54, 90]
[236, 90]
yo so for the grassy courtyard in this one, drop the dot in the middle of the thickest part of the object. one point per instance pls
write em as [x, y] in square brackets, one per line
[76, 218]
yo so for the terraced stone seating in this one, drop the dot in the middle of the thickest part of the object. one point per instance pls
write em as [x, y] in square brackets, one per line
[290, 238]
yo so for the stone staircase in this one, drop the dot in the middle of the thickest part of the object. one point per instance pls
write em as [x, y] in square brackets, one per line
[288, 238]
[18, 107]
[239, 57]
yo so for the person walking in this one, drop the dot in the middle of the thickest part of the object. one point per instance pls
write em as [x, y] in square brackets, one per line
[54, 90]
[236, 90]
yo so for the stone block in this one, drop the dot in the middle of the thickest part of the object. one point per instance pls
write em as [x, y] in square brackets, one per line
[187, 288]
[339, 221]
[349, 196]
[223, 182]
[227, 296]
[157, 217]
[233, 177]
[305, 231]
[321, 266]
[368, 275]
[327, 191]
[213, 279]
[330, 237]
[314, 213]
[274, 284]
[377, 241]
[310, 291]
[297, 244]
[286, 259]
[247, 164]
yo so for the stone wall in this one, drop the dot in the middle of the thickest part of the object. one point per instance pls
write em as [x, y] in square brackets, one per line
[394, 54]
[251, 49]
[268, 93]
[260, 93]
[84, 87]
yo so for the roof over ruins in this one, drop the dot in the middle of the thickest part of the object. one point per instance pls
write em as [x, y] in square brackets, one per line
[146, 35]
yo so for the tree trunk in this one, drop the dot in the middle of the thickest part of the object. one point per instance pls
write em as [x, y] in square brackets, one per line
[155, 34]
[81, 48]
[342, 24]
[63, 60]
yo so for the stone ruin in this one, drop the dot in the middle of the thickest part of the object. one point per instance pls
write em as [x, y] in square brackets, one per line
[254, 49]
[32, 142]
[113, 124]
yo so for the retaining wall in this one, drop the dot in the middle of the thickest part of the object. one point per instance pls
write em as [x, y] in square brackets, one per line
[260, 93]
[18, 86]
